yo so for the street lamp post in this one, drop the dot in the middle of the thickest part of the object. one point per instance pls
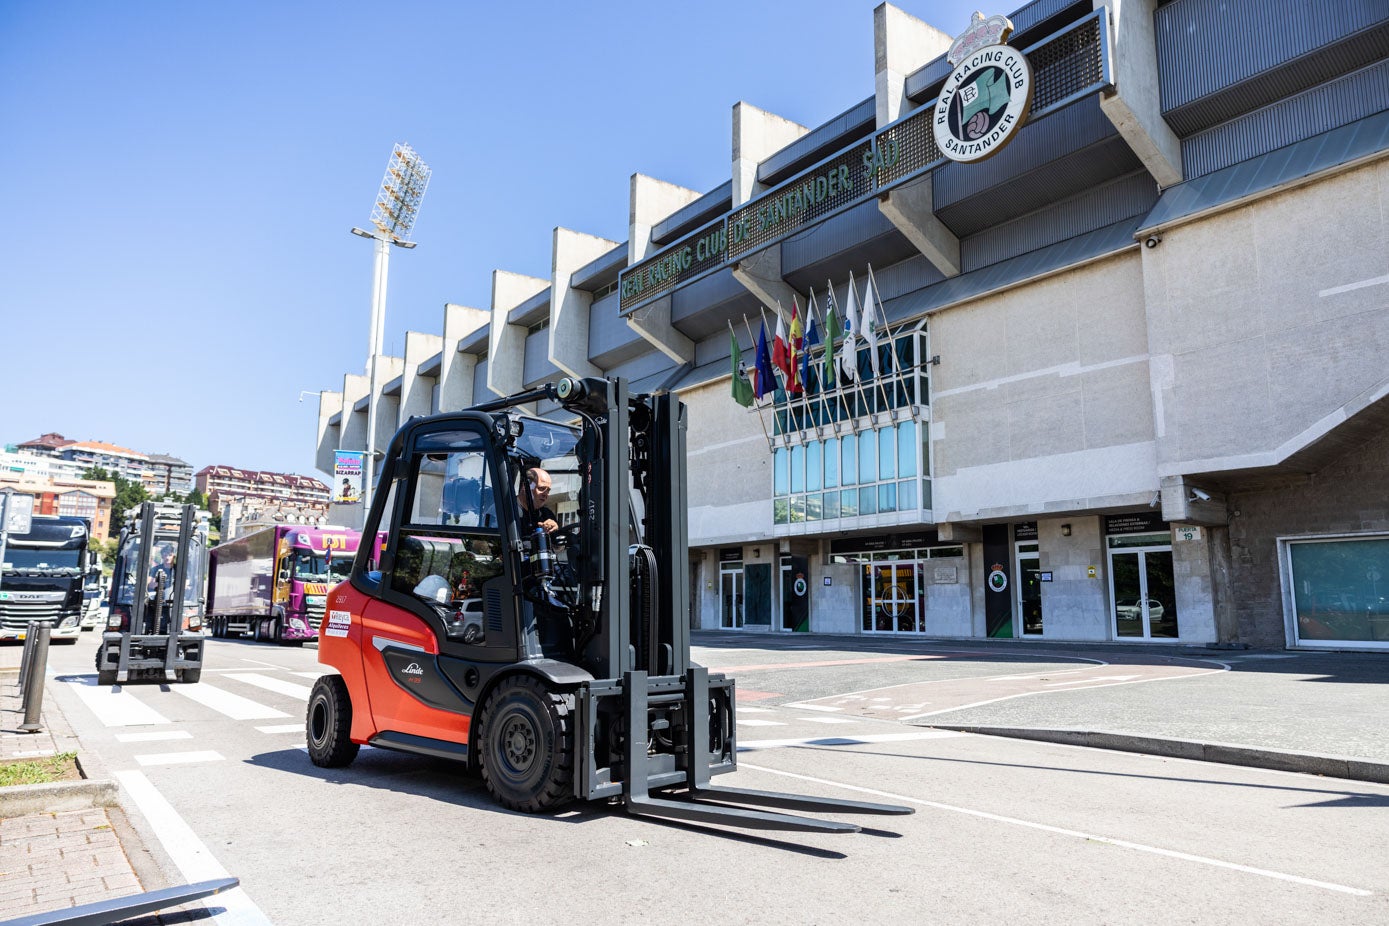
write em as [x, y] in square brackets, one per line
[392, 219]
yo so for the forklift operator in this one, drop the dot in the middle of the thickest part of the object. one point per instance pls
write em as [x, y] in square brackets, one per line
[534, 493]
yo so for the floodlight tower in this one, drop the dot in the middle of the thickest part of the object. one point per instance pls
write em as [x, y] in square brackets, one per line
[393, 218]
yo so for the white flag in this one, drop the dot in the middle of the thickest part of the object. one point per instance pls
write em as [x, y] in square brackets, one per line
[870, 327]
[848, 357]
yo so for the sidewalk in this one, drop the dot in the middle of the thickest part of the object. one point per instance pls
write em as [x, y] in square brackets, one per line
[63, 844]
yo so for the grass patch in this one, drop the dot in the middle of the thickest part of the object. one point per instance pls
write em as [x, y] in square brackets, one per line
[40, 771]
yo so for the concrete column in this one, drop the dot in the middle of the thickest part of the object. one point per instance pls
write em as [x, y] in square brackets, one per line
[651, 201]
[757, 135]
[653, 323]
[902, 44]
[354, 423]
[416, 391]
[329, 435]
[1134, 106]
[387, 406]
[760, 274]
[506, 348]
[570, 307]
[456, 369]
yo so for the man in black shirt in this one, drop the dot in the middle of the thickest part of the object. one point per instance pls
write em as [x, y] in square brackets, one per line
[534, 493]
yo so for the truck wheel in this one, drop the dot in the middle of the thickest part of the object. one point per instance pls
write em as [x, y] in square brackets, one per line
[526, 746]
[328, 726]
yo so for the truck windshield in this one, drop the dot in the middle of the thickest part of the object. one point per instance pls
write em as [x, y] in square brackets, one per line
[42, 558]
[311, 567]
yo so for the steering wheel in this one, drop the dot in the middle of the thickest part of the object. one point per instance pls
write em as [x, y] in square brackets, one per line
[566, 535]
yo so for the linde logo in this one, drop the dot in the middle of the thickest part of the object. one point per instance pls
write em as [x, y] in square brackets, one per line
[412, 669]
[986, 98]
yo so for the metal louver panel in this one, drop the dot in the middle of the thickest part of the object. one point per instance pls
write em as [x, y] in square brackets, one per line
[1318, 110]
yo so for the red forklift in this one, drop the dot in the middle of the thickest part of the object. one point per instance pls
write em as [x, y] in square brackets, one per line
[554, 661]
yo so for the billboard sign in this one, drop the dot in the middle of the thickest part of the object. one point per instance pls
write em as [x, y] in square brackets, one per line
[347, 476]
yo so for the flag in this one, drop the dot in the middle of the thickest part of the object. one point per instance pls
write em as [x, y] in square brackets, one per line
[765, 381]
[812, 339]
[779, 355]
[832, 334]
[870, 328]
[848, 357]
[742, 389]
[794, 382]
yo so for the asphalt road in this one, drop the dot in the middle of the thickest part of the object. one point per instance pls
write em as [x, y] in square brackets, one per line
[1004, 830]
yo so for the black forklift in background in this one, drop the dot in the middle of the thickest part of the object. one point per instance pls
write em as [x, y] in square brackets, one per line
[553, 660]
[154, 631]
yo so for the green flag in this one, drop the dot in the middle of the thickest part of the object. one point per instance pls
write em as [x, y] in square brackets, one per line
[742, 389]
[832, 333]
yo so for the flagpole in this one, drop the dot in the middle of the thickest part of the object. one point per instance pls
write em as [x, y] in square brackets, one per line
[757, 403]
[891, 348]
[810, 310]
[877, 373]
[799, 366]
[762, 310]
[838, 373]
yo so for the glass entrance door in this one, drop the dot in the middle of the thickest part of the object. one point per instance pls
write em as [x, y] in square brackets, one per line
[1144, 595]
[1029, 602]
[892, 602]
[731, 616]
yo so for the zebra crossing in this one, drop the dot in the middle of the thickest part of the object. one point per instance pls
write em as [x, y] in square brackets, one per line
[133, 713]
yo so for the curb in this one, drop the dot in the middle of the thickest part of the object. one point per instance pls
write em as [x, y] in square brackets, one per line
[58, 797]
[1225, 753]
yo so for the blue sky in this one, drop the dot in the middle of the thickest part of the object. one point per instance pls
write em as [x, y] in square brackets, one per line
[179, 181]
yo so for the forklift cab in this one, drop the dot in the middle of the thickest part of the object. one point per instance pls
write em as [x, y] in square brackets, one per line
[454, 525]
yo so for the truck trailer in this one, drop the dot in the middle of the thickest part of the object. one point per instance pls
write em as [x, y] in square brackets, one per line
[271, 584]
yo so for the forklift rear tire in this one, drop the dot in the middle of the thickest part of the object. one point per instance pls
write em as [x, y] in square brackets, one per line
[526, 750]
[329, 723]
[189, 676]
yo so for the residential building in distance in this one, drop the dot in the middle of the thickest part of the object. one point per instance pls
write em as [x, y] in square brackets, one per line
[168, 475]
[42, 466]
[301, 496]
[54, 455]
[85, 498]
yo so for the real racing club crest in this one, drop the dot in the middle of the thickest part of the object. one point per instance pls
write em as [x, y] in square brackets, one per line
[986, 98]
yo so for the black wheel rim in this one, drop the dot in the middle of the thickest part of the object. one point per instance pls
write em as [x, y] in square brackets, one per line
[517, 744]
[319, 726]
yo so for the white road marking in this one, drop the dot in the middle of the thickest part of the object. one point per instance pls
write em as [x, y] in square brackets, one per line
[179, 758]
[1337, 290]
[153, 735]
[829, 719]
[752, 710]
[112, 704]
[754, 722]
[816, 707]
[189, 854]
[850, 740]
[1092, 837]
[224, 702]
[283, 728]
[1096, 678]
[273, 684]
[313, 675]
[257, 662]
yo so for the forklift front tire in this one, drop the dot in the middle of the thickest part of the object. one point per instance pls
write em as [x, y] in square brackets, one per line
[525, 743]
[329, 723]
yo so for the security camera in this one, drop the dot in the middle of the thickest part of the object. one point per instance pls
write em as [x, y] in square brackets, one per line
[1201, 495]
[1152, 241]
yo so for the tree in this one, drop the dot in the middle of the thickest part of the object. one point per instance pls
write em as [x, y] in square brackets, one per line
[129, 494]
[196, 498]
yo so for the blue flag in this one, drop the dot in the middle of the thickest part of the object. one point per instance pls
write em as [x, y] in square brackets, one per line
[765, 381]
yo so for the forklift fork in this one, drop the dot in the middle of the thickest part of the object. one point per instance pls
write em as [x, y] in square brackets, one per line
[703, 803]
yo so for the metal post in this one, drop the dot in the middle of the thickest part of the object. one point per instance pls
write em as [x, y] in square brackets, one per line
[33, 691]
[378, 333]
[26, 659]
